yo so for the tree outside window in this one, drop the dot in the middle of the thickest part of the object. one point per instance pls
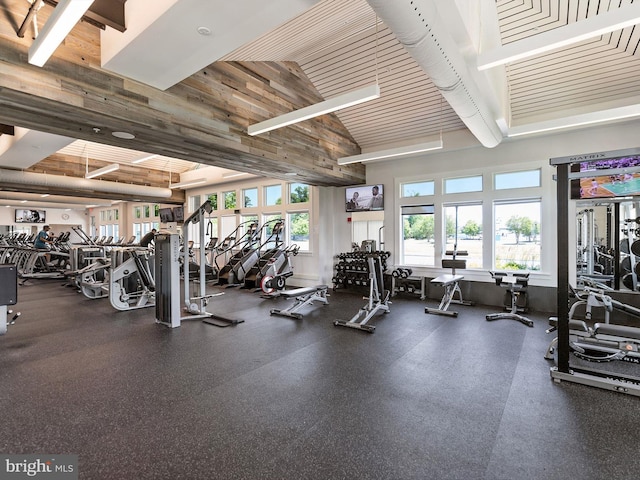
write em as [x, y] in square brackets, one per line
[298, 193]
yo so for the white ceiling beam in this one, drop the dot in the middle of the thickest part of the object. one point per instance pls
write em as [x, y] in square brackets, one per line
[601, 24]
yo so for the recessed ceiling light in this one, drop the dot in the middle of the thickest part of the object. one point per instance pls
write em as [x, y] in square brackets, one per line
[124, 135]
[204, 30]
[291, 174]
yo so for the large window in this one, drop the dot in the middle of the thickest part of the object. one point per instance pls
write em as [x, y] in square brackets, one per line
[463, 184]
[213, 198]
[418, 189]
[194, 203]
[270, 221]
[298, 193]
[522, 179]
[273, 195]
[463, 231]
[418, 235]
[517, 235]
[229, 200]
[299, 230]
[250, 197]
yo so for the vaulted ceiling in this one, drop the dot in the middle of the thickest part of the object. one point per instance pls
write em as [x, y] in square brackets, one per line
[187, 78]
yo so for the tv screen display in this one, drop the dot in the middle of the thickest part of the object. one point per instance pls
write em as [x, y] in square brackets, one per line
[166, 215]
[31, 216]
[623, 184]
[364, 198]
[178, 214]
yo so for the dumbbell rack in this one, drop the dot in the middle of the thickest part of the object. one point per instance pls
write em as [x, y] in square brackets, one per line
[352, 269]
[402, 281]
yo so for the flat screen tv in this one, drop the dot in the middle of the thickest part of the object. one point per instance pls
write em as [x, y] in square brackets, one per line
[166, 215]
[178, 214]
[364, 198]
[31, 216]
[611, 185]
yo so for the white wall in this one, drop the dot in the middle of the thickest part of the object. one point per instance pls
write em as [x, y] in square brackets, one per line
[520, 153]
[57, 218]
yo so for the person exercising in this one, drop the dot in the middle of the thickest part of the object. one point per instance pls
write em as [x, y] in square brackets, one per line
[148, 238]
[42, 241]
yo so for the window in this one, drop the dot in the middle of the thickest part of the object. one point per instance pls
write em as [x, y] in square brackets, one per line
[463, 184]
[298, 193]
[298, 228]
[194, 203]
[417, 189]
[463, 228]
[147, 211]
[517, 235]
[270, 221]
[137, 212]
[418, 235]
[213, 198]
[524, 179]
[156, 210]
[103, 215]
[273, 195]
[250, 197]
[137, 231]
[229, 200]
[116, 214]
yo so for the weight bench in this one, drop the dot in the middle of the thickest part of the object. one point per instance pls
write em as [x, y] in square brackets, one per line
[303, 297]
[450, 282]
[516, 286]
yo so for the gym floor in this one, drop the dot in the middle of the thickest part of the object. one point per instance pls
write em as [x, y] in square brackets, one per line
[424, 397]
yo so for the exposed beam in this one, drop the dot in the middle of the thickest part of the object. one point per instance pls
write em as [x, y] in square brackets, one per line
[202, 119]
[7, 129]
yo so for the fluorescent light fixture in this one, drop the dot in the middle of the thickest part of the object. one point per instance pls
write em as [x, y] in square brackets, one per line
[188, 183]
[233, 174]
[392, 152]
[23, 201]
[601, 24]
[610, 115]
[44, 195]
[144, 159]
[62, 20]
[338, 102]
[101, 171]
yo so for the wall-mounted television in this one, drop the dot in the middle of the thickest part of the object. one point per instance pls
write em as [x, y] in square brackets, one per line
[178, 214]
[166, 215]
[31, 216]
[364, 198]
[611, 185]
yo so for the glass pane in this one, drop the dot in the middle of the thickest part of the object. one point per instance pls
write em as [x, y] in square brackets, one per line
[298, 193]
[529, 178]
[156, 210]
[250, 197]
[468, 236]
[517, 236]
[273, 195]
[464, 184]
[299, 230]
[275, 238]
[418, 246]
[147, 211]
[194, 203]
[417, 189]
[213, 198]
[137, 212]
[229, 200]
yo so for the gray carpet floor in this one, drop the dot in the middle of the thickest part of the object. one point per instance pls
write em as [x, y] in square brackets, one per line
[424, 397]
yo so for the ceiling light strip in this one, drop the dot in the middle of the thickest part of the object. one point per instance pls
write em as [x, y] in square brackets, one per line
[610, 115]
[338, 102]
[62, 20]
[392, 152]
[601, 24]
[188, 183]
[102, 171]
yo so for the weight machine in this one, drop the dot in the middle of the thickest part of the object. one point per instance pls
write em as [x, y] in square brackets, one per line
[563, 370]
